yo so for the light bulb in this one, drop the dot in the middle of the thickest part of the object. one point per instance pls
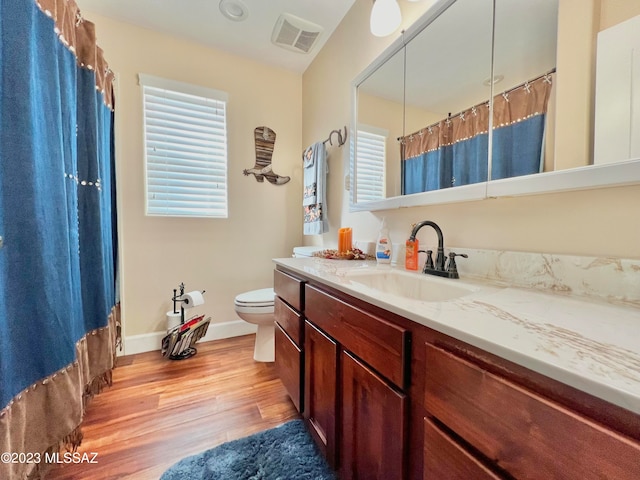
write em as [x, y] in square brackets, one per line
[385, 17]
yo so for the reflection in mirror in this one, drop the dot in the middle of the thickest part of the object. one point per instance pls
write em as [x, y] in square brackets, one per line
[617, 102]
[380, 112]
[532, 38]
[524, 60]
[446, 100]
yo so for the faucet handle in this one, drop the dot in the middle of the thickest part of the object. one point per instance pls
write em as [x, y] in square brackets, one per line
[428, 264]
[429, 261]
[453, 268]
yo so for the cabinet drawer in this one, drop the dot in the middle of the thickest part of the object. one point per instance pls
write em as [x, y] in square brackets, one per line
[290, 321]
[444, 458]
[289, 366]
[381, 344]
[289, 288]
[524, 433]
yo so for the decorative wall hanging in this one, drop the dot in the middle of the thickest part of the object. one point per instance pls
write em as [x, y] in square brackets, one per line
[265, 139]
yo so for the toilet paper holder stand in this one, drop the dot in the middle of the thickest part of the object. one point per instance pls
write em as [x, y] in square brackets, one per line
[179, 341]
[179, 298]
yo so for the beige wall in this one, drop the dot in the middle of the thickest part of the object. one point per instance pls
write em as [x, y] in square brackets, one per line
[595, 222]
[222, 256]
[616, 11]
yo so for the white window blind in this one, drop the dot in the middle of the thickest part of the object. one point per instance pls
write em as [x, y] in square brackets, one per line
[185, 149]
[370, 165]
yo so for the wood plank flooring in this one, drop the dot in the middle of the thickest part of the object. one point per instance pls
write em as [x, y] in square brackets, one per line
[159, 411]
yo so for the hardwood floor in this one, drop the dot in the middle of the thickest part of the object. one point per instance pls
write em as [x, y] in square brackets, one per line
[159, 411]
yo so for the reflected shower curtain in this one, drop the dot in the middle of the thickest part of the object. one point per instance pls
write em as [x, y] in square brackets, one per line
[58, 320]
[519, 118]
[454, 151]
[450, 153]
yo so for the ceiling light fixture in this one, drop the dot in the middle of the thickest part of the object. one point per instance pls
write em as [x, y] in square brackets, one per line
[234, 10]
[385, 17]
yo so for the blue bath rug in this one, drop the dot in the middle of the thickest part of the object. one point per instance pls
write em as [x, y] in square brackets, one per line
[286, 452]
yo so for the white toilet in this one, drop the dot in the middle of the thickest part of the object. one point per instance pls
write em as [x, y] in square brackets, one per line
[256, 307]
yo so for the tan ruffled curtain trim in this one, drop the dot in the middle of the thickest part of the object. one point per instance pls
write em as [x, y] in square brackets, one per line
[512, 106]
[46, 416]
[79, 35]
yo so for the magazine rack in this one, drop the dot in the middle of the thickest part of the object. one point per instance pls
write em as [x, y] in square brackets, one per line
[179, 341]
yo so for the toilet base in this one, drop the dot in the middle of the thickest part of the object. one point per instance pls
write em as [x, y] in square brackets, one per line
[265, 348]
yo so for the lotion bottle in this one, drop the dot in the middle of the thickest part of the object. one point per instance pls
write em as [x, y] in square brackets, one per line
[383, 245]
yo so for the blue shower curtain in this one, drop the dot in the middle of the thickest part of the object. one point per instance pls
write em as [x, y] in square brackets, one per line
[523, 141]
[448, 165]
[455, 152]
[57, 223]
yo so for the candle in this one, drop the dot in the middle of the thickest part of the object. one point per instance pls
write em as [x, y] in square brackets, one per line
[344, 239]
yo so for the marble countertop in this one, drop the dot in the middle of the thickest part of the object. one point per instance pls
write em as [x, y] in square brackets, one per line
[586, 343]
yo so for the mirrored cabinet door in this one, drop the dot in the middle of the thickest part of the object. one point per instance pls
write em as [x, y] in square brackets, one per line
[523, 83]
[447, 92]
[375, 172]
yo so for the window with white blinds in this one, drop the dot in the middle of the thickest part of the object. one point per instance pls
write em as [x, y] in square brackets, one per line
[370, 164]
[185, 135]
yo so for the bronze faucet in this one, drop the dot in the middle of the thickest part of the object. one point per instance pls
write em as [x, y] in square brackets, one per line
[439, 267]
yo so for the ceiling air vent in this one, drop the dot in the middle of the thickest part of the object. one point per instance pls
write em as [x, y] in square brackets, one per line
[294, 33]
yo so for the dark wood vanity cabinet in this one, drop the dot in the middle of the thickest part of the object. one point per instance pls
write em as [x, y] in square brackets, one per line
[388, 398]
[289, 334]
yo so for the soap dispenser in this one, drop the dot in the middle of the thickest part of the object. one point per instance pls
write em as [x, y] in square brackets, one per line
[383, 245]
[411, 255]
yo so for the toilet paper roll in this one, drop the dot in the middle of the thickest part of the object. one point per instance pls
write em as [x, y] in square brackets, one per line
[173, 319]
[192, 299]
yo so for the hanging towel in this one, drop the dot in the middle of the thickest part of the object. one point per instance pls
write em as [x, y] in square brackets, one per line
[314, 201]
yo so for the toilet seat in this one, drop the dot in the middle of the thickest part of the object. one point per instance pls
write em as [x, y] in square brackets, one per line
[255, 301]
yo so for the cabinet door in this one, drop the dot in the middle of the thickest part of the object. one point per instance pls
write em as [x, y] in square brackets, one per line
[289, 360]
[374, 425]
[321, 365]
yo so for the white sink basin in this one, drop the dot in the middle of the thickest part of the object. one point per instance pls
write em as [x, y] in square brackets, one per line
[416, 286]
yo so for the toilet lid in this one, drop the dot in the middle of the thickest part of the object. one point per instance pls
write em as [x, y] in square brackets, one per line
[256, 298]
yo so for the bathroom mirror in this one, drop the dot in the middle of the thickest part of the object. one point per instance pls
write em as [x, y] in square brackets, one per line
[442, 66]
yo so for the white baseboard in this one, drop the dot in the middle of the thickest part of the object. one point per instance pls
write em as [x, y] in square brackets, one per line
[149, 342]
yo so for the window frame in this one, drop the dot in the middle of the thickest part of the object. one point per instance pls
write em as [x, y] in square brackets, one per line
[220, 207]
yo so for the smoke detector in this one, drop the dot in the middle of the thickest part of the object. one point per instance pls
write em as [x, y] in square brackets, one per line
[295, 34]
[234, 10]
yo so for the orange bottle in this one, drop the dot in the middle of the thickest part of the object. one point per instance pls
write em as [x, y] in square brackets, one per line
[411, 255]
